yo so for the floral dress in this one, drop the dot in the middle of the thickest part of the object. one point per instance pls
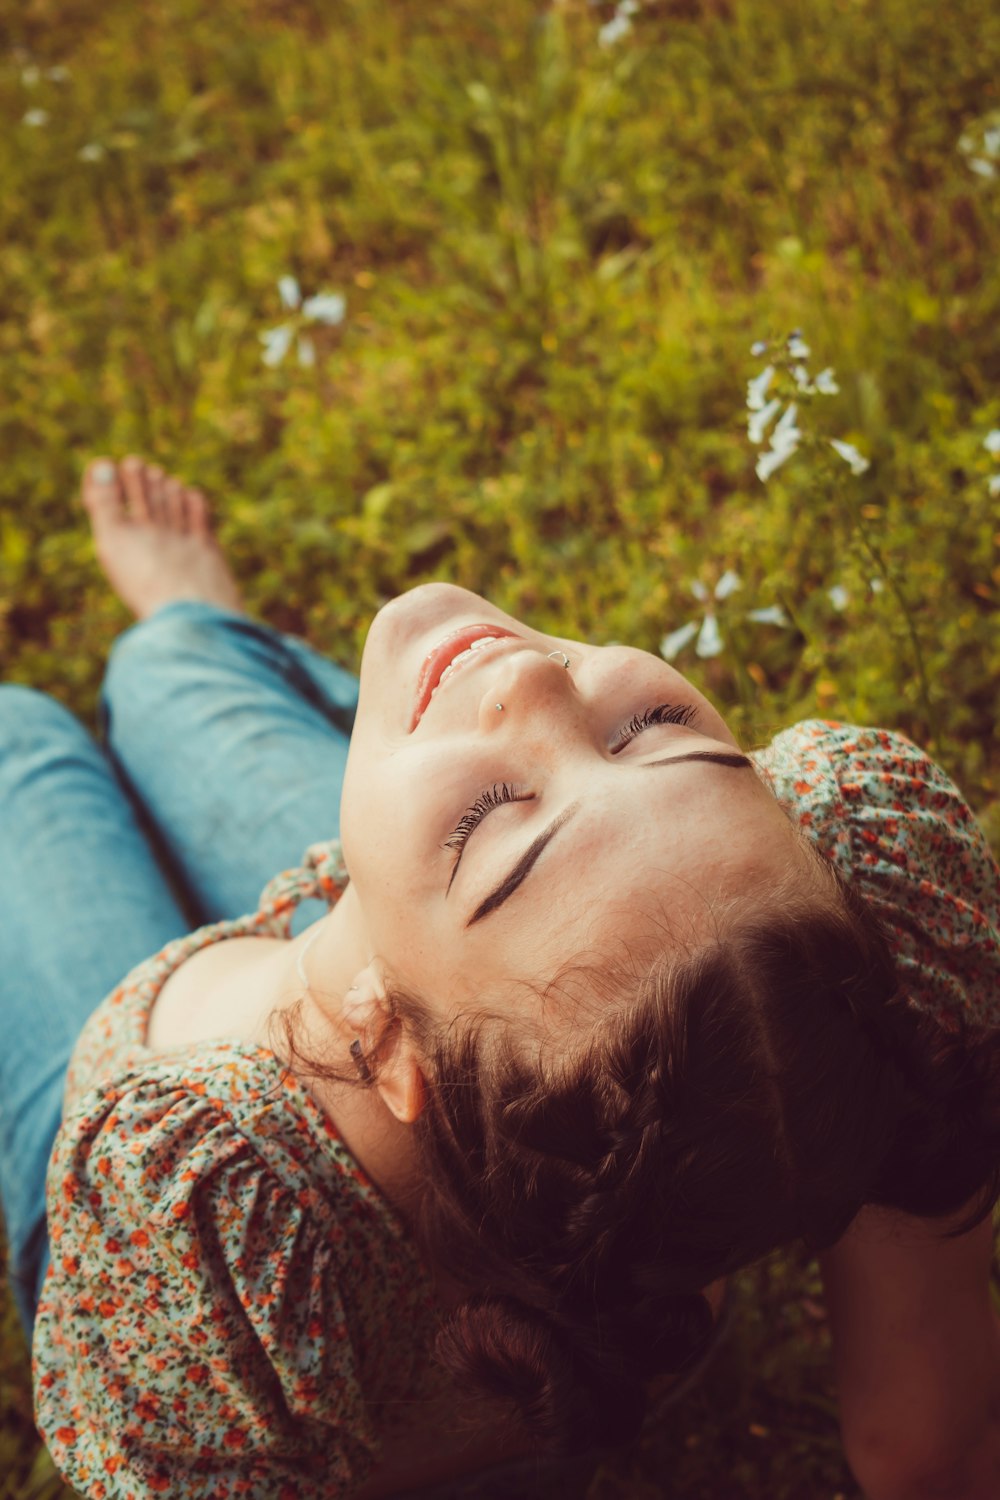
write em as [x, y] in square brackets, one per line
[231, 1306]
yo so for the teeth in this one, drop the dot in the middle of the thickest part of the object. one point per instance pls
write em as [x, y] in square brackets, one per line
[456, 661]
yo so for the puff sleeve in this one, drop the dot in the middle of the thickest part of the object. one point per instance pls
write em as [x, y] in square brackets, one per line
[208, 1310]
[900, 831]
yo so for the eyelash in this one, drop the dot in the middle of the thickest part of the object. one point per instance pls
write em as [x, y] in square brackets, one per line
[503, 791]
[484, 803]
[663, 713]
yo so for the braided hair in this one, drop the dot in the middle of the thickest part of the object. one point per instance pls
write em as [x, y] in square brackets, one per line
[750, 1094]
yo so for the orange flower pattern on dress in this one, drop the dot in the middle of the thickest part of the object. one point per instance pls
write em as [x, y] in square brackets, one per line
[231, 1303]
[900, 831]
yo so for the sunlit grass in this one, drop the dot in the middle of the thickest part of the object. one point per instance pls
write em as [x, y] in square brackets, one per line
[554, 257]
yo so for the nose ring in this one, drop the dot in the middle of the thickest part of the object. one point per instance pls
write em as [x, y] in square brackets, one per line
[561, 655]
[498, 707]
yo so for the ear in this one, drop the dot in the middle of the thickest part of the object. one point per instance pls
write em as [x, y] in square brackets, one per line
[399, 1078]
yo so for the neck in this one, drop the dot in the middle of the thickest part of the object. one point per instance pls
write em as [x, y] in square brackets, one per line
[338, 950]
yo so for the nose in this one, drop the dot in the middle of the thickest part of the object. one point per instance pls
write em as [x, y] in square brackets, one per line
[525, 683]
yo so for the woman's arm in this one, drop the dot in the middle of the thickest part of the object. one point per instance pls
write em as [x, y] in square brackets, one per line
[916, 1347]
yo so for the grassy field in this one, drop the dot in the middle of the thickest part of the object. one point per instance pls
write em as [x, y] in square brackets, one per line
[547, 237]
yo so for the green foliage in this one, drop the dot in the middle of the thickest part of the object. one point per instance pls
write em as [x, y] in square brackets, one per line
[555, 256]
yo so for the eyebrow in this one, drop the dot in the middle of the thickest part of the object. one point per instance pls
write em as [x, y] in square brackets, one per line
[519, 873]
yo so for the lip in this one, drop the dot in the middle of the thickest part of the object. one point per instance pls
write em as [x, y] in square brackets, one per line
[442, 656]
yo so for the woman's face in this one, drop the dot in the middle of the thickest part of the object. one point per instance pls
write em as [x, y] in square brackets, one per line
[488, 846]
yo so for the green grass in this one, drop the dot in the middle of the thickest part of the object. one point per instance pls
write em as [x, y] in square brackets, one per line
[555, 257]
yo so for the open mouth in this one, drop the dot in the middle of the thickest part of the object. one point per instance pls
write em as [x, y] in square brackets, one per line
[448, 657]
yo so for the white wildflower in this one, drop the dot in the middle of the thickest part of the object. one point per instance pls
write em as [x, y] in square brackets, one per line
[326, 307]
[991, 442]
[797, 347]
[876, 585]
[994, 485]
[801, 377]
[705, 632]
[838, 596]
[850, 455]
[674, 643]
[759, 421]
[758, 349]
[826, 383]
[982, 167]
[709, 642]
[773, 614]
[614, 30]
[277, 342]
[92, 151]
[288, 291]
[36, 118]
[769, 461]
[728, 584]
[30, 75]
[757, 388]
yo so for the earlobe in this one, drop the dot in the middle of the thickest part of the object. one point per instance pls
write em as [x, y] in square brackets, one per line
[384, 1046]
[400, 1081]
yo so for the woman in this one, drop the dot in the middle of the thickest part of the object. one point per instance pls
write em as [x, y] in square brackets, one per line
[592, 1024]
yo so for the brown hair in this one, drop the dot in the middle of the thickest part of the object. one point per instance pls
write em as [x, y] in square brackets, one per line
[753, 1093]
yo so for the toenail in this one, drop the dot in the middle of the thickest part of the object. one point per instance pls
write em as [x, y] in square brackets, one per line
[103, 473]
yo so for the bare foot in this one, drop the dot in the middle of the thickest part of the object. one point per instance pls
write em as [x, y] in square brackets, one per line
[153, 537]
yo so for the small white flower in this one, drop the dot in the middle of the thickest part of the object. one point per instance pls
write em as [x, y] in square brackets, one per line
[784, 441]
[758, 349]
[758, 421]
[307, 351]
[728, 584]
[850, 455]
[326, 307]
[277, 342]
[36, 118]
[92, 151]
[982, 167]
[629, 7]
[826, 383]
[288, 290]
[30, 75]
[757, 388]
[991, 442]
[798, 348]
[773, 614]
[876, 585]
[709, 642]
[614, 30]
[994, 485]
[771, 460]
[674, 643]
[801, 376]
[838, 596]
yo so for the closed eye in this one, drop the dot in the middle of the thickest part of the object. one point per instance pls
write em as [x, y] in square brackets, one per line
[663, 713]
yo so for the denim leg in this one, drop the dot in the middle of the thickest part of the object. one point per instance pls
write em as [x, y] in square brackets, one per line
[82, 901]
[232, 738]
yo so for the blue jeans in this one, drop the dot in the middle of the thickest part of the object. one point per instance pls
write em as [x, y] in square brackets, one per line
[226, 745]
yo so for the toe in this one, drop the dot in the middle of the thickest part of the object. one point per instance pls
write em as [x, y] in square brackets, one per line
[197, 511]
[133, 472]
[102, 491]
[176, 510]
[156, 491]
